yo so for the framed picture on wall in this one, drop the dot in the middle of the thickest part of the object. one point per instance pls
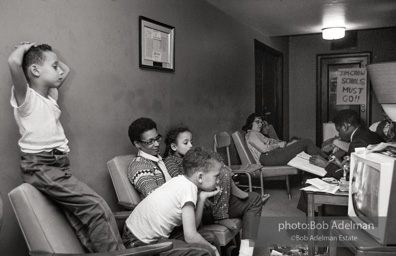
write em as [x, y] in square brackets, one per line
[157, 45]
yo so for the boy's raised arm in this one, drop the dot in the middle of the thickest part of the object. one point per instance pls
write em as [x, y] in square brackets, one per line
[18, 76]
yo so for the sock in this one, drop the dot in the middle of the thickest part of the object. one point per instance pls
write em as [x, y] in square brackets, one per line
[245, 249]
[238, 192]
[227, 223]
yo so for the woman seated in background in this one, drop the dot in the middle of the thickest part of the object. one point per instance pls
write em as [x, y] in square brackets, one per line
[272, 152]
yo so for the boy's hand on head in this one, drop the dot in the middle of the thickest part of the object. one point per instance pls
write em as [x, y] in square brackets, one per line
[16, 57]
[15, 61]
[22, 48]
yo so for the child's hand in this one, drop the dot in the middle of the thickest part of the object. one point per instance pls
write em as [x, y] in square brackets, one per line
[21, 49]
[206, 194]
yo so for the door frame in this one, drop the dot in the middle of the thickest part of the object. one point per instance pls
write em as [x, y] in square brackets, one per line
[277, 76]
[363, 58]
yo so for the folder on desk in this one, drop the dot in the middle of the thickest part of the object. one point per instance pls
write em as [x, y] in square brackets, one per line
[301, 161]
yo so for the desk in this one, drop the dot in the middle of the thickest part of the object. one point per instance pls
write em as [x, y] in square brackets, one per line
[319, 198]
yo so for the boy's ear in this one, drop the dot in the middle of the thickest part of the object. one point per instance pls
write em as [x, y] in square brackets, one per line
[34, 70]
[200, 177]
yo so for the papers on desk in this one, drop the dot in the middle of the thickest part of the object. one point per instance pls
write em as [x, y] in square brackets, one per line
[318, 185]
[301, 161]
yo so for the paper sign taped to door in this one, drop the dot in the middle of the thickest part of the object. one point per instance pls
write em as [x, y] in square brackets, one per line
[352, 86]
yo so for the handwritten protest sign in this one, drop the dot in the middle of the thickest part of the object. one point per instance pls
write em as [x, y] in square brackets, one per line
[351, 86]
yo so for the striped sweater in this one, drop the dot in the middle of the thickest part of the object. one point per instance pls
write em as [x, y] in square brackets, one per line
[145, 175]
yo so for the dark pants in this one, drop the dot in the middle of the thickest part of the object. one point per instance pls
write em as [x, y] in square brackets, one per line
[281, 156]
[180, 247]
[249, 210]
[88, 213]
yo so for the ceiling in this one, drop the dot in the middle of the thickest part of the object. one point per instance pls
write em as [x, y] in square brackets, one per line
[297, 17]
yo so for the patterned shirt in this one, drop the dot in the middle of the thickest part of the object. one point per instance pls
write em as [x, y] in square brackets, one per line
[145, 174]
[174, 164]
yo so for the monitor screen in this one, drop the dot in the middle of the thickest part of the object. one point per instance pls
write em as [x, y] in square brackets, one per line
[365, 192]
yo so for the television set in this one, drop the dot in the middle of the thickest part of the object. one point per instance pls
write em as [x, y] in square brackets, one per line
[372, 195]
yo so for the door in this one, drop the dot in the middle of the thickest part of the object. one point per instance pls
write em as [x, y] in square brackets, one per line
[327, 66]
[269, 85]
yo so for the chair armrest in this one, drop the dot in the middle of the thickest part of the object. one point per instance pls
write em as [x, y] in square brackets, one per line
[246, 168]
[127, 205]
[122, 215]
[138, 251]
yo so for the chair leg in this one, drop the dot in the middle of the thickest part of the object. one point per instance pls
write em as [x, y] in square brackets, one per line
[288, 186]
[250, 182]
[262, 183]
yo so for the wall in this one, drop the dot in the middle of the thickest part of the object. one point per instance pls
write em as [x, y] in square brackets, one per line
[212, 88]
[302, 54]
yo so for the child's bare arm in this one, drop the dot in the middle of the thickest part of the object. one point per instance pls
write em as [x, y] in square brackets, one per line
[190, 229]
[203, 195]
[18, 76]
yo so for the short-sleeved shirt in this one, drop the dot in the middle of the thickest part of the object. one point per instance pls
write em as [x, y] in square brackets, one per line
[159, 213]
[39, 125]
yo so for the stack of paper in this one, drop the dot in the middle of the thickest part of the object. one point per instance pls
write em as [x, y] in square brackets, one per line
[301, 161]
[318, 185]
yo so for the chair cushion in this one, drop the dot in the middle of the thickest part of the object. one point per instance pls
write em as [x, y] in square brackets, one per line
[126, 194]
[222, 233]
[43, 224]
[271, 171]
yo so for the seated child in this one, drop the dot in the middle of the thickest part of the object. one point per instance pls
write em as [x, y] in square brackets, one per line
[230, 202]
[37, 74]
[178, 141]
[147, 171]
[180, 201]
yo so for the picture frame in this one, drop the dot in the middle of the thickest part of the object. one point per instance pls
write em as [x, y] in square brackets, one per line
[157, 45]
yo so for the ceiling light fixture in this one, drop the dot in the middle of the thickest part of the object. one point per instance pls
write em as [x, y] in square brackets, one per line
[333, 33]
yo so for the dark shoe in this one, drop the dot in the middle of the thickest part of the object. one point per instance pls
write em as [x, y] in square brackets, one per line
[232, 250]
[265, 198]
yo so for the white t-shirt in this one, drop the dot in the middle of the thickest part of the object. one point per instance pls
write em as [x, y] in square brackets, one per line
[160, 212]
[38, 121]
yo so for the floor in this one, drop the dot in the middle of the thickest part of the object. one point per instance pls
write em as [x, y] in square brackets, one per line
[280, 205]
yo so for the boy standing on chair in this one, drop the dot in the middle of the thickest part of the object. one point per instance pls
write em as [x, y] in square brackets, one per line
[37, 75]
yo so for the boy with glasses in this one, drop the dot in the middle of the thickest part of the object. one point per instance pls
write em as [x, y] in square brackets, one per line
[147, 171]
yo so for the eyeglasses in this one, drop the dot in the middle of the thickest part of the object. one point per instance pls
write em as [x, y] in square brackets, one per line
[258, 121]
[152, 141]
